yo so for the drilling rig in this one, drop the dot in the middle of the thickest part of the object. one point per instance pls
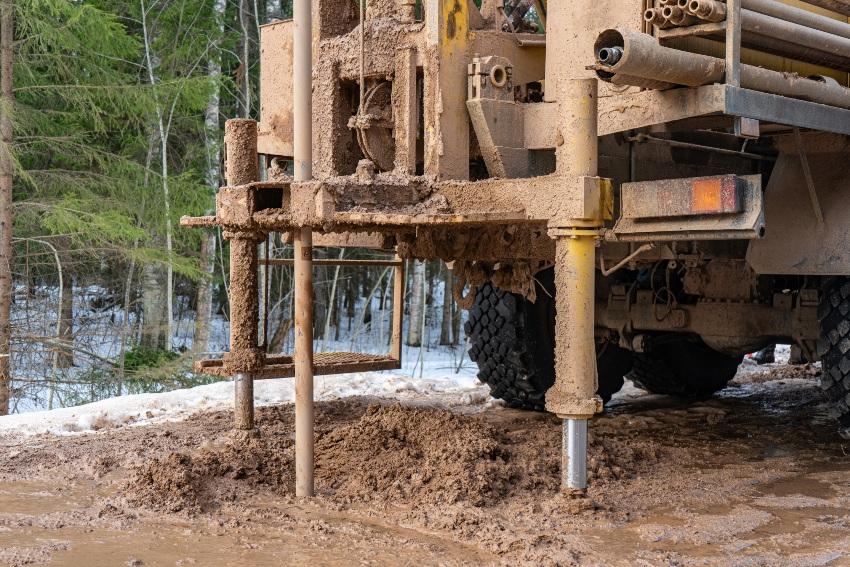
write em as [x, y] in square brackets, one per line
[623, 188]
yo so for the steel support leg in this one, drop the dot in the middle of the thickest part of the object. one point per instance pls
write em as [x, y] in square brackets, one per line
[573, 396]
[303, 150]
[242, 167]
[304, 419]
[244, 355]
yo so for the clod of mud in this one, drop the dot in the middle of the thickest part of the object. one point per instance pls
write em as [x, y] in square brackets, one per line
[416, 454]
[392, 453]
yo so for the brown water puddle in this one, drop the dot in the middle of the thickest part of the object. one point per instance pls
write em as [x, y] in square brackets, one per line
[799, 518]
[38, 526]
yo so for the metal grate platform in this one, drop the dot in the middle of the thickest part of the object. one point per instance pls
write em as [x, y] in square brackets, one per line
[324, 363]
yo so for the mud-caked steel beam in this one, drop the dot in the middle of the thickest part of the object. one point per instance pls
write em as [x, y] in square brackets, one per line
[575, 226]
[303, 265]
[245, 357]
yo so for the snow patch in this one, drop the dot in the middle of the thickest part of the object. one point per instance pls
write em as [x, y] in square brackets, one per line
[436, 382]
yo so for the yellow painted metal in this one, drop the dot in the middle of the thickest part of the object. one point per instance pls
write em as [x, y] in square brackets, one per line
[454, 31]
[573, 395]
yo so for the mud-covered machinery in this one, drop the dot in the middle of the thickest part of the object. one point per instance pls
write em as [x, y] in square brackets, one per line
[640, 187]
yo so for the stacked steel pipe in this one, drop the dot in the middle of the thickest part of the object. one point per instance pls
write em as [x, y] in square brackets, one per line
[628, 57]
[770, 26]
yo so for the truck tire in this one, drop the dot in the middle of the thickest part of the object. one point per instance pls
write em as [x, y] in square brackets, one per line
[684, 369]
[834, 348]
[513, 342]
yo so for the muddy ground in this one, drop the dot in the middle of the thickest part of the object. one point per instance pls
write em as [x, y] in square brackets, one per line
[754, 476]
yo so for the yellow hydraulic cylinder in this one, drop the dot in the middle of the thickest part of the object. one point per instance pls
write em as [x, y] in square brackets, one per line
[576, 227]
[574, 393]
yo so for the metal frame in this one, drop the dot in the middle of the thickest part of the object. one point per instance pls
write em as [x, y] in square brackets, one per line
[325, 363]
[628, 112]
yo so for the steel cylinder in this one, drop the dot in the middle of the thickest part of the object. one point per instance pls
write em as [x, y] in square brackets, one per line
[678, 17]
[574, 455]
[241, 161]
[244, 303]
[304, 411]
[644, 57]
[708, 10]
[794, 33]
[655, 17]
[799, 16]
[578, 113]
[302, 92]
[303, 262]
[575, 351]
[243, 391]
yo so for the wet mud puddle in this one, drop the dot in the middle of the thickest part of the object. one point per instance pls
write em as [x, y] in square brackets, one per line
[802, 519]
[40, 524]
[750, 477]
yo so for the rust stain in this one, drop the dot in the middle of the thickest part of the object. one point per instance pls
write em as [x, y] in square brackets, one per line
[451, 20]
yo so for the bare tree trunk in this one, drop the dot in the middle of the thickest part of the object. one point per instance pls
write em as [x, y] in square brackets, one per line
[456, 316]
[446, 322]
[7, 95]
[163, 129]
[212, 144]
[203, 313]
[245, 63]
[417, 304]
[153, 308]
[125, 327]
[65, 353]
[365, 274]
[331, 303]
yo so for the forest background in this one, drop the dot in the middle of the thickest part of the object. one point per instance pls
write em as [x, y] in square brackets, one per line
[111, 124]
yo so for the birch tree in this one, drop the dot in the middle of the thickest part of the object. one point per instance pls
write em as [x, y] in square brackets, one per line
[212, 146]
[6, 178]
[446, 321]
[417, 304]
[180, 93]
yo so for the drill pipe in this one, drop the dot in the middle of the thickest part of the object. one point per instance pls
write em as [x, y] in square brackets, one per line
[784, 49]
[796, 41]
[797, 16]
[840, 6]
[678, 17]
[715, 11]
[642, 56]
[708, 10]
[656, 18]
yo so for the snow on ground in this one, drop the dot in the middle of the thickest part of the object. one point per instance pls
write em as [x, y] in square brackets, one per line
[439, 378]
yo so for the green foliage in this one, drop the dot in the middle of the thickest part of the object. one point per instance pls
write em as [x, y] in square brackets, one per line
[86, 115]
[79, 111]
[93, 81]
[140, 357]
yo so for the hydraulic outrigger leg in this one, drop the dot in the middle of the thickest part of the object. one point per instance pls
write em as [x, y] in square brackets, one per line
[573, 397]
